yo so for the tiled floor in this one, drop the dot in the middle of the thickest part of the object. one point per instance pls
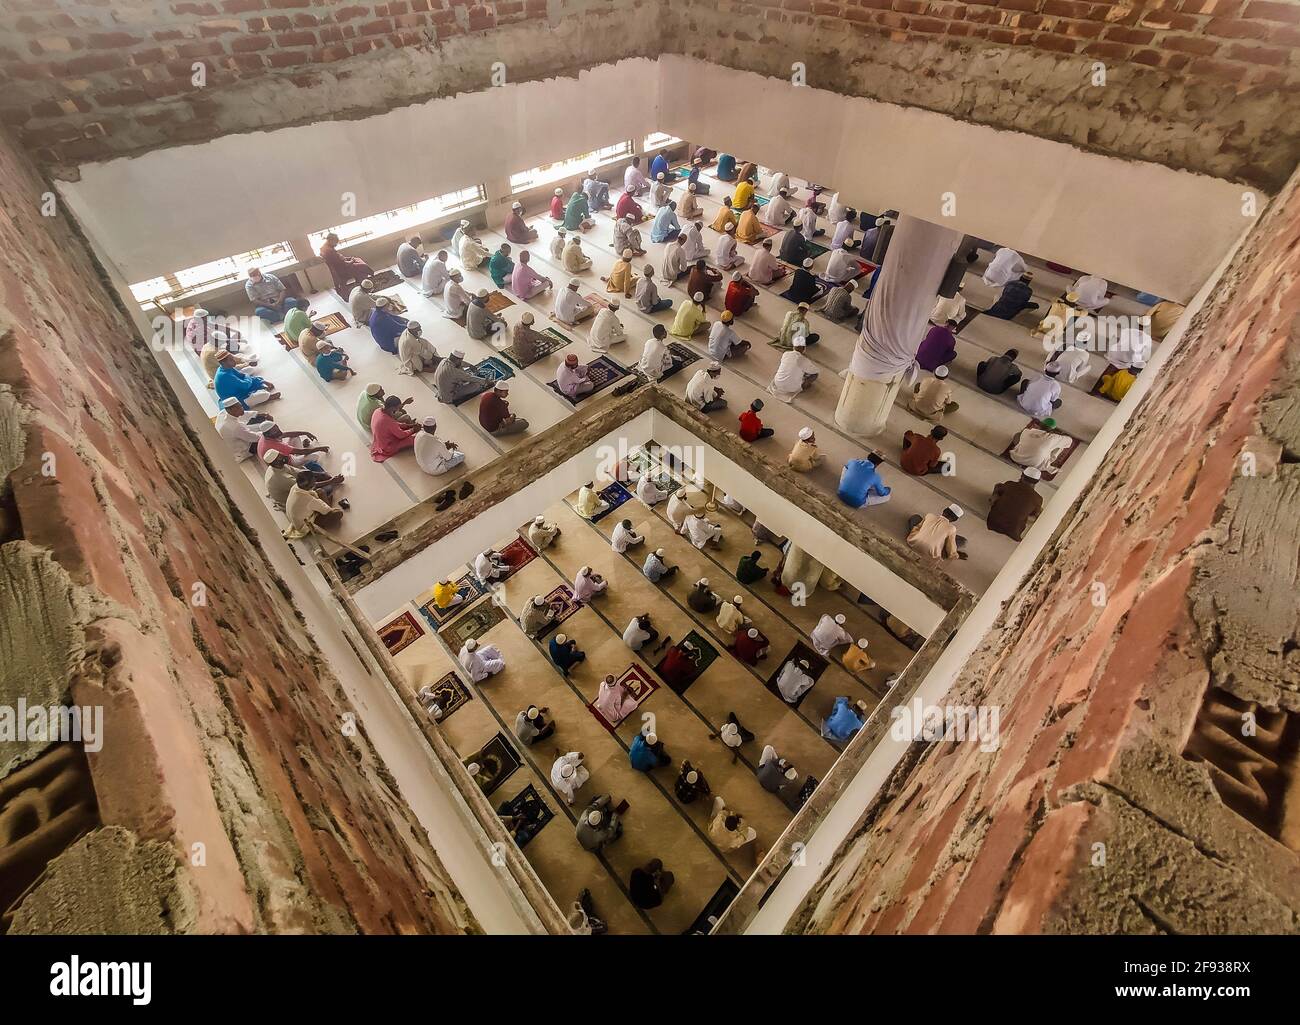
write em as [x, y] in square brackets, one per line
[657, 824]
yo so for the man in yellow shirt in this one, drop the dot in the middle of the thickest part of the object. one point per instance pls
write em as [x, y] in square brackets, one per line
[805, 457]
[446, 595]
[856, 659]
[1115, 386]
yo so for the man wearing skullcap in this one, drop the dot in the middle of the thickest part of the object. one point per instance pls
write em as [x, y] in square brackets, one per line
[805, 457]
[494, 414]
[1016, 504]
[935, 534]
[516, 230]
[433, 455]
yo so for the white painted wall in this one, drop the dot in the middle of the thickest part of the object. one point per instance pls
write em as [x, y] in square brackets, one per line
[179, 207]
[1139, 224]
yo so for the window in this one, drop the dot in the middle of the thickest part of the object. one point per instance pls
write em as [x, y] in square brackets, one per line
[657, 139]
[564, 168]
[391, 221]
[218, 272]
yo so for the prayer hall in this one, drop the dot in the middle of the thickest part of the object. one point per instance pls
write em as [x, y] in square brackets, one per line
[594, 467]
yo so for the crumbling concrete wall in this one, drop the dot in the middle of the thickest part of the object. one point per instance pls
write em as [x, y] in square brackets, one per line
[1205, 85]
[1148, 676]
[226, 796]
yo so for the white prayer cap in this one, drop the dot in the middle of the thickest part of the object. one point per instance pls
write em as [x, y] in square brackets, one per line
[560, 231]
[702, 582]
[516, 206]
[698, 297]
[659, 176]
[429, 422]
[458, 353]
[539, 520]
[464, 224]
[561, 638]
[690, 187]
[373, 390]
[807, 264]
[584, 571]
[862, 643]
[532, 712]
[1032, 472]
[805, 433]
[503, 385]
[737, 600]
[455, 276]
[880, 222]
[229, 403]
[799, 342]
[471, 644]
[527, 318]
[714, 365]
[575, 283]
[627, 254]
[729, 729]
[729, 227]
[736, 276]
[847, 244]
[381, 300]
[270, 456]
[559, 192]
[941, 371]
[956, 510]
[482, 293]
[851, 285]
[792, 774]
[368, 283]
[753, 634]
[200, 312]
[803, 663]
[538, 600]
[650, 738]
[659, 552]
[839, 618]
[630, 218]
[613, 304]
[803, 307]
[692, 777]
[594, 818]
[566, 771]
[413, 326]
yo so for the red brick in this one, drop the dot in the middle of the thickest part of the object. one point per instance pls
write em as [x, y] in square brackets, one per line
[1107, 51]
[1121, 34]
[1060, 44]
[1269, 10]
[289, 39]
[249, 44]
[1258, 55]
[241, 6]
[1231, 28]
[1190, 44]
[111, 40]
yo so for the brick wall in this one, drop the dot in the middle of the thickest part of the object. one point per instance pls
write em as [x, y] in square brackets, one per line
[222, 725]
[1209, 85]
[1148, 771]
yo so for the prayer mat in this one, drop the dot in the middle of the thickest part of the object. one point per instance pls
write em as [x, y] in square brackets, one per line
[1109, 368]
[517, 554]
[768, 232]
[705, 654]
[473, 625]
[615, 495]
[597, 301]
[492, 369]
[486, 376]
[603, 372]
[400, 633]
[1058, 463]
[560, 599]
[395, 304]
[665, 482]
[590, 312]
[497, 762]
[713, 910]
[864, 269]
[683, 356]
[640, 685]
[467, 587]
[385, 279]
[498, 301]
[533, 811]
[552, 341]
[681, 170]
[816, 666]
[448, 694]
[331, 322]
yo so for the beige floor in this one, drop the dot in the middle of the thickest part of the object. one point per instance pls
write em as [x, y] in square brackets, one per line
[656, 824]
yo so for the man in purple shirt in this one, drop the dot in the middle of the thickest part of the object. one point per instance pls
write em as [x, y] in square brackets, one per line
[939, 347]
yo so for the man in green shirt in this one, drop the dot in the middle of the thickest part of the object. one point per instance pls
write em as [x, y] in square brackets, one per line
[296, 321]
[500, 266]
[750, 570]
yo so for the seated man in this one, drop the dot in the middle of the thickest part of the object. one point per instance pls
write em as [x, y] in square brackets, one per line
[794, 680]
[838, 302]
[574, 260]
[1040, 397]
[793, 248]
[542, 534]
[454, 380]
[764, 268]
[390, 432]
[626, 236]
[701, 531]
[361, 302]
[606, 330]
[621, 279]
[597, 191]
[701, 598]
[386, 327]
[629, 208]
[344, 270]
[494, 414]
[1016, 296]
[795, 373]
[702, 278]
[588, 584]
[842, 266]
[624, 537]
[472, 252]
[573, 378]
[1040, 447]
[921, 453]
[724, 343]
[411, 257]
[749, 645]
[332, 363]
[666, 226]
[750, 569]
[998, 374]
[647, 294]
[480, 660]
[829, 633]
[570, 307]
[433, 455]
[695, 248]
[804, 286]
[526, 282]
[282, 475]
[646, 752]
[231, 383]
[577, 214]
[656, 568]
[936, 535]
[501, 267]
[307, 507]
[690, 318]
[634, 182]
[931, 399]
[741, 296]
[726, 170]
[751, 426]
[526, 341]
[861, 484]
[725, 253]
[516, 229]
[434, 277]
[535, 616]
[805, 457]
[702, 393]
[489, 566]
[1016, 504]
[843, 721]
[270, 299]
[415, 353]
[589, 503]
[482, 324]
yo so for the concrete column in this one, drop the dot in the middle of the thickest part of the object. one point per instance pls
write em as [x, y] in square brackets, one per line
[919, 254]
[801, 568]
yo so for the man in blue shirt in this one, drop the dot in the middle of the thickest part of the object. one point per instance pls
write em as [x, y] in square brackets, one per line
[231, 383]
[1016, 296]
[647, 752]
[658, 166]
[666, 226]
[386, 328]
[860, 482]
[565, 653]
[332, 363]
[270, 299]
[842, 723]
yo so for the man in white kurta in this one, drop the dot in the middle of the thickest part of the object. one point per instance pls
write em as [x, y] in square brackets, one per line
[361, 302]
[488, 566]
[1090, 292]
[433, 455]
[589, 502]
[415, 353]
[793, 682]
[472, 252]
[624, 537]
[606, 329]
[701, 531]
[480, 661]
[570, 307]
[1039, 398]
[764, 267]
[587, 584]
[679, 507]
[649, 492]
[778, 212]
[730, 618]
[1039, 447]
[455, 298]
[1071, 364]
[724, 253]
[830, 633]
[794, 373]
[655, 360]
[569, 775]
[694, 248]
[1006, 265]
[674, 264]
[807, 218]
[841, 266]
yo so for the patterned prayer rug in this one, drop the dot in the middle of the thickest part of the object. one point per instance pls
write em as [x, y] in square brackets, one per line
[762, 200]
[395, 304]
[517, 554]
[473, 625]
[560, 599]
[492, 369]
[468, 587]
[769, 231]
[615, 494]
[713, 910]
[682, 355]
[640, 685]
[400, 633]
[597, 300]
[448, 694]
[603, 372]
[1059, 462]
[497, 762]
[816, 666]
[533, 811]
[331, 322]
[702, 657]
[551, 341]
[498, 301]
[386, 279]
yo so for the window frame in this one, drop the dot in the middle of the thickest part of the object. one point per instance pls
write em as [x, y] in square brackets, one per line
[395, 224]
[545, 175]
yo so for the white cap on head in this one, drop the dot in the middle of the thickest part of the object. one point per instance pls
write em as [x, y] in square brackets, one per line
[566, 771]
[862, 643]
[753, 634]
[471, 644]
[807, 264]
[561, 638]
[429, 422]
[659, 552]
[539, 520]
[594, 818]
[458, 353]
[368, 283]
[533, 712]
[839, 618]
[729, 227]
[737, 600]
[527, 318]
[464, 223]
[414, 326]
[650, 738]
[956, 510]
[736, 276]
[482, 293]
[803, 663]
[516, 205]
[538, 600]
[941, 371]
[559, 192]
[575, 283]
[270, 456]
[792, 774]
[698, 297]
[805, 433]
[1032, 472]
[229, 403]
[703, 581]
[714, 365]
[692, 777]
[200, 312]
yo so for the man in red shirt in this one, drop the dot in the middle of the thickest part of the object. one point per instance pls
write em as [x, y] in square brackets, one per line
[740, 295]
[749, 645]
[751, 427]
[494, 414]
[921, 454]
[628, 205]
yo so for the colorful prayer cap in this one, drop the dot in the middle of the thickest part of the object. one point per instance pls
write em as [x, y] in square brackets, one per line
[727, 316]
